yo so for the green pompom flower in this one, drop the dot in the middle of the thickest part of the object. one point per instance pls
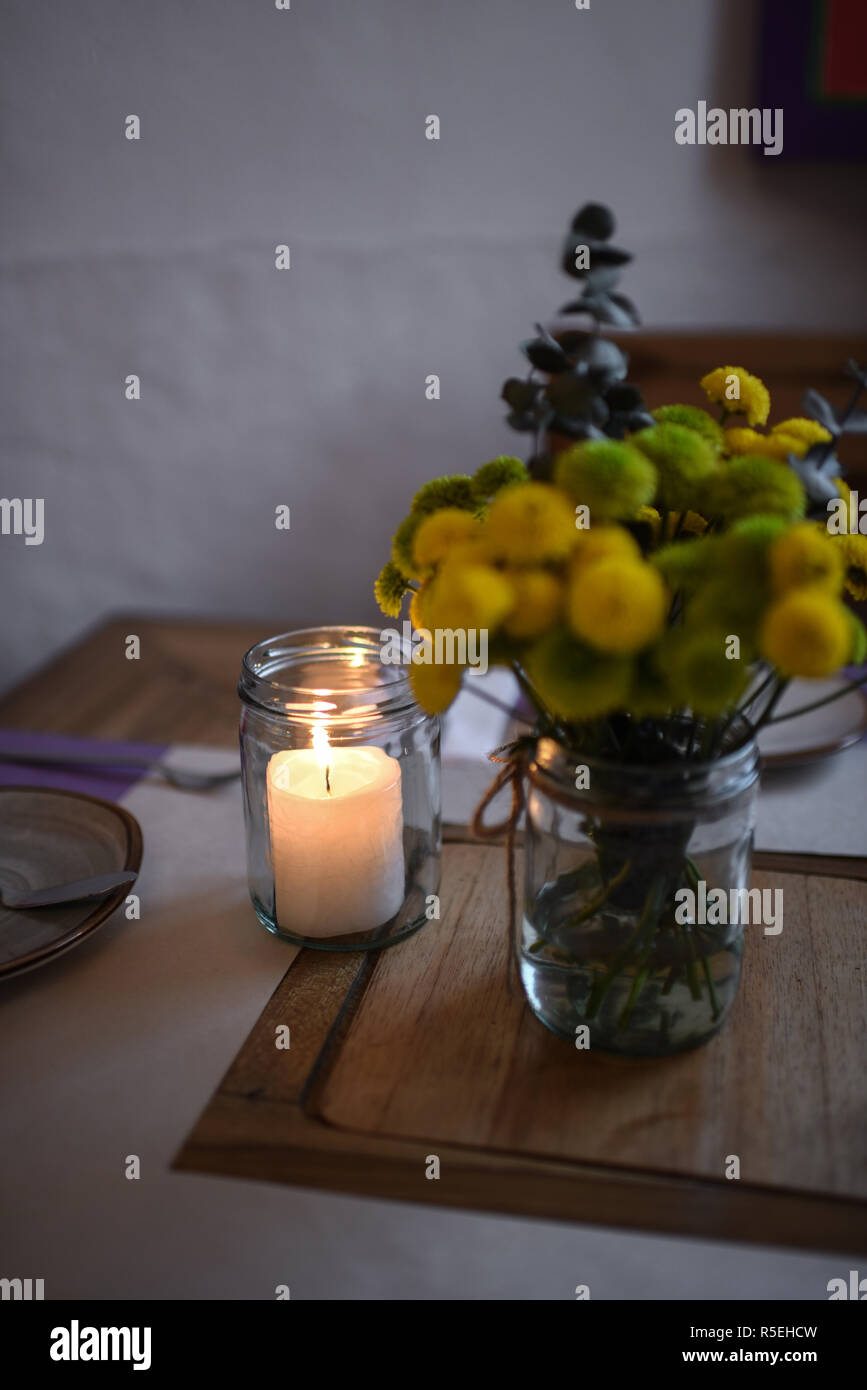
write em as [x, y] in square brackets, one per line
[753, 483]
[575, 682]
[649, 696]
[684, 461]
[757, 530]
[613, 479]
[390, 588]
[744, 551]
[498, 473]
[452, 490]
[686, 564]
[402, 543]
[701, 674]
[735, 607]
[693, 418]
[858, 653]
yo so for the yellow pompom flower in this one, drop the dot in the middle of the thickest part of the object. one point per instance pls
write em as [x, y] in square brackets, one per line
[853, 551]
[438, 533]
[434, 686]
[649, 516]
[417, 606]
[808, 431]
[806, 633]
[538, 600]
[739, 393]
[693, 524]
[772, 446]
[805, 555]
[529, 523]
[468, 596]
[742, 441]
[844, 490]
[604, 543]
[475, 551]
[617, 605]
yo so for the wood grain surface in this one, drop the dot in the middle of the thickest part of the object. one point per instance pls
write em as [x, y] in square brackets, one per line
[419, 1051]
[439, 1049]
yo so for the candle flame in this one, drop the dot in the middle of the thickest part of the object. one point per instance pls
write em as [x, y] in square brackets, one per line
[321, 746]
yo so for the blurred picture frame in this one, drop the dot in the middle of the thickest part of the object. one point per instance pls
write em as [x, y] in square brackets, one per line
[813, 64]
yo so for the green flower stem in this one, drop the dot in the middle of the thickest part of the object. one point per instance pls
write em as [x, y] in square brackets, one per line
[637, 986]
[707, 740]
[647, 920]
[741, 710]
[693, 877]
[716, 1010]
[817, 704]
[600, 900]
[771, 706]
[691, 971]
[671, 979]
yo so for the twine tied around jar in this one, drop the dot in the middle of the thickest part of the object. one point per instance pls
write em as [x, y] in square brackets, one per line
[513, 757]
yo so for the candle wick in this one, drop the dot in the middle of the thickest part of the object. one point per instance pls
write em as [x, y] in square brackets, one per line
[328, 780]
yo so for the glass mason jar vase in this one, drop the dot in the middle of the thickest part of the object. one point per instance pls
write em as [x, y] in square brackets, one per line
[609, 939]
[341, 779]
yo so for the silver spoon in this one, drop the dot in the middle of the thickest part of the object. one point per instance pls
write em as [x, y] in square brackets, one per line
[73, 892]
[183, 778]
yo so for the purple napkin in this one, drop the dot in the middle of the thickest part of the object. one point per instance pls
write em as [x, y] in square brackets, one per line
[109, 781]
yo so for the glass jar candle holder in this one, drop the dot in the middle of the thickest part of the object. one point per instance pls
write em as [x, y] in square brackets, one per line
[341, 780]
[609, 939]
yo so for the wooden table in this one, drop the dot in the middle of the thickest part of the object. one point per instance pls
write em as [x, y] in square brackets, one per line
[418, 1052]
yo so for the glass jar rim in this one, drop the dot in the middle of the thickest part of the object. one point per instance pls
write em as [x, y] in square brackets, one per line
[317, 653]
[552, 764]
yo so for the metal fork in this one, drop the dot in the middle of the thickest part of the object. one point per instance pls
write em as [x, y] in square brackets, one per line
[183, 778]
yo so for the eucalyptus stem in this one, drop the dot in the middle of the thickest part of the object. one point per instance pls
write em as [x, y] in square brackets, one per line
[843, 419]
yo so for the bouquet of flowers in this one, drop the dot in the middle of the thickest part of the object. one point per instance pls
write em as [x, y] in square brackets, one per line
[615, 571]
[653, 578]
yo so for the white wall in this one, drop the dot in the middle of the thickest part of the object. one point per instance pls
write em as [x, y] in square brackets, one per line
[408, 257]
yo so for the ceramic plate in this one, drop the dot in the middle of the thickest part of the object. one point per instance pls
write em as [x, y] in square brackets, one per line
[54, 837]
[819, 733]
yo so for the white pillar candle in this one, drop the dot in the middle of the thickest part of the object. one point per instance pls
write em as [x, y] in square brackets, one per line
[336, 822]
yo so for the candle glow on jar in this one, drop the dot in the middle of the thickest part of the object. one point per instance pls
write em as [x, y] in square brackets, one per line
[336, 827]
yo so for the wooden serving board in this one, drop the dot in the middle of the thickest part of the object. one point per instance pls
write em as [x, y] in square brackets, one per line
[419, 1051]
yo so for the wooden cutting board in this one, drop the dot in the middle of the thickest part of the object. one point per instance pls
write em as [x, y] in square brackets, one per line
[419, 1051]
